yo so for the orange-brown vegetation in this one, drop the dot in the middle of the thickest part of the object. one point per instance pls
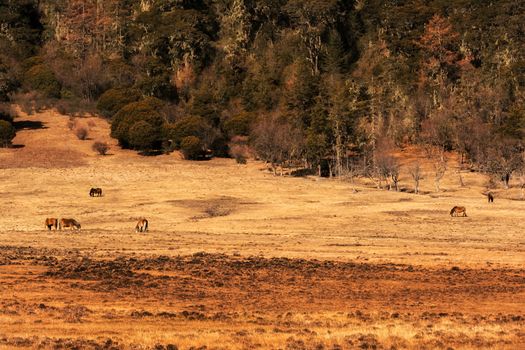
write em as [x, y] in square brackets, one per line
[236, 258]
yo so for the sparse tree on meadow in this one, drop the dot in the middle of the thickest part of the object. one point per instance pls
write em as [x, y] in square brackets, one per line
[417, 175]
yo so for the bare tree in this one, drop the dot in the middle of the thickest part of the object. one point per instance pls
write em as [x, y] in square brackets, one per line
[440, 168]
[504, 158]
[417, 176]
[277, 141]
[388, 170]
[437, 154]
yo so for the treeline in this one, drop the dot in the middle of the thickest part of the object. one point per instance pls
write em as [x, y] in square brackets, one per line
[328, 85]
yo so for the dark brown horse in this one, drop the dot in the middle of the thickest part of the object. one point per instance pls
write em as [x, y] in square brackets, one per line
[95, 192]
[490, 197]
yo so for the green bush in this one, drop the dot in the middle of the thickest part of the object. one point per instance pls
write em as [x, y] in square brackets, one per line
[188, 126]
[111, 101]
[9, 77]
[143, 136]
[41, 78]
[191, 147]
[238, 125]
[7, 133]
[145, 110]
[5, 113]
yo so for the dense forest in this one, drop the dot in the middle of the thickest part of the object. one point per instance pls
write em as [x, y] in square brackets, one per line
[331, 86]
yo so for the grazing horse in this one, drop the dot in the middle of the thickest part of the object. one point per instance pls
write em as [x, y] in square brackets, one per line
[95, 192]
[69, 223]
[142, 226]
[490, 196]
[51, 222]
[456, 211]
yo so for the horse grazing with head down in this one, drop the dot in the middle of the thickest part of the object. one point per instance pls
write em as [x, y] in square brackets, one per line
[458, 211]
[69, 223]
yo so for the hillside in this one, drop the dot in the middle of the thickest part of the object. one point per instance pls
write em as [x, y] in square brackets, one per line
[292, 81]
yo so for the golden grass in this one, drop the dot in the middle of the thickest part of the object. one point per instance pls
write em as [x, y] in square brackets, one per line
[372, 269]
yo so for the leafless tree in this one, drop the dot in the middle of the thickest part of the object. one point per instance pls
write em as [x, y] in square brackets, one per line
[417, 176]
[440, 168]
[504, 158]
[277, 141]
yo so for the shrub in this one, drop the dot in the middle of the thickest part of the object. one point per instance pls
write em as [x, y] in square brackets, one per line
[143, 136]
[74, 106]
[9, 76]
[111, 101]
[239, 152]
[71, 123]
[30, 62]
[144, 110]
[188, 126]
[238, 125]
[6, 113]
[100, 147]
[191, 147]
[7, 133]
[42, 79]
[81, 132]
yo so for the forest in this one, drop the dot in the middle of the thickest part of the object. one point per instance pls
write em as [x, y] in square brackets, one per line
[331, 87]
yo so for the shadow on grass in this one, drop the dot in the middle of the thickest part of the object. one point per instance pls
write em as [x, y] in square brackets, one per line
[28, 125]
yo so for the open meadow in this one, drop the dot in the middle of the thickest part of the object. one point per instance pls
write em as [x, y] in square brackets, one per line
[237, 258]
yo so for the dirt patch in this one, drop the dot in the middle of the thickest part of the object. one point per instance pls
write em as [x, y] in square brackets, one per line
[210, 208]
[287, 280]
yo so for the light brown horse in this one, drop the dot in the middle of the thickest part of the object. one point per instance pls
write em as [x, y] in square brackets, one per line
[69, 223]
[142, 226]
[458, 211]
[51, 222]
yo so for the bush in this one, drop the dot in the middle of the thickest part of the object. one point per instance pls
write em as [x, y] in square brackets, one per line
[74, 106]
[239, 152]
[111, 101]
[81, 132]
[71, 123]
[144, 110]
[188, 126]
[30, 62]
[42, 79]
[238, 125]
[101, 148]
[191, 147]
[9, 76]
[6, 113]
[7, 133]
[143, 136]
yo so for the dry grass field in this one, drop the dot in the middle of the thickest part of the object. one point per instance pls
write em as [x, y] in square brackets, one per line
[237, 258]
